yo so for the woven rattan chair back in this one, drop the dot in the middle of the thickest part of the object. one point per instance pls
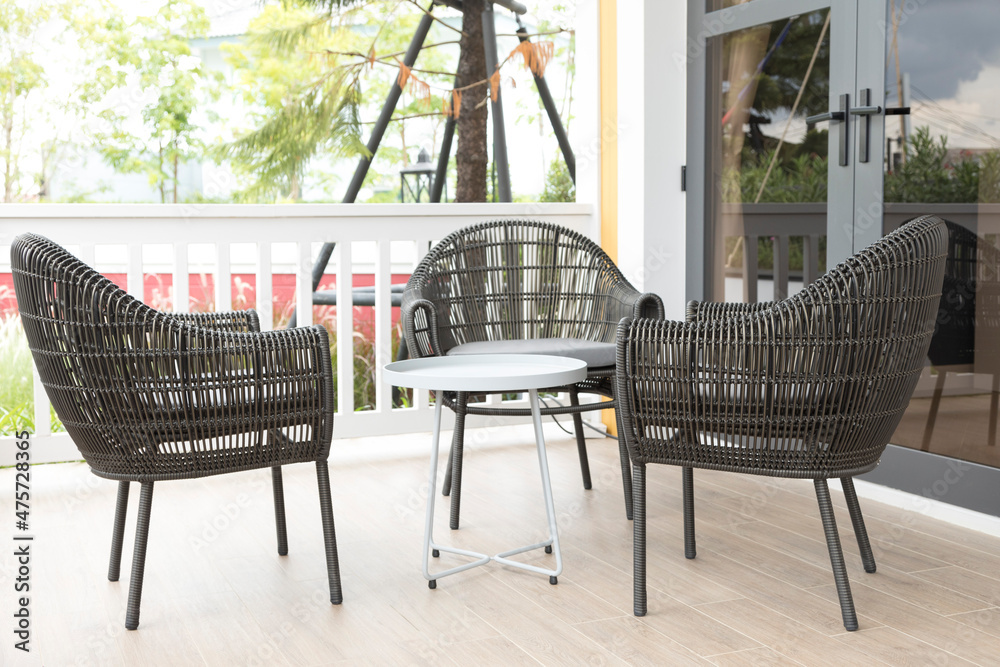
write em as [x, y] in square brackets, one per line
[811, 387]
[514, 279]
[128, 381]
[149, 396]
[520, 280]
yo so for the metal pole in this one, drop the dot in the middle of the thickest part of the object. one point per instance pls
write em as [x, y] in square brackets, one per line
[550, 109]
[512, 5]
[376, 138]
[496, 107]
[442, 166]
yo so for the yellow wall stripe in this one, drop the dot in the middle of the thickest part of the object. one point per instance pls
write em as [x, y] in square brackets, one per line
[609, 144]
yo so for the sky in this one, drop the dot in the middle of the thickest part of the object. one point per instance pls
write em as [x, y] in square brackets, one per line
[951, 50]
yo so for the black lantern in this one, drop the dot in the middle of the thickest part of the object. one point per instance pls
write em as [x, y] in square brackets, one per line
[417, 179]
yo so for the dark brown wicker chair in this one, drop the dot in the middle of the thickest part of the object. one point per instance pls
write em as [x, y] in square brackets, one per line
[515, 286]
[150, 396]
[809, 387]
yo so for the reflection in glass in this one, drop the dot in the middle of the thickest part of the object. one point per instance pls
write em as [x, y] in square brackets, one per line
[763, 82]
[943, 158]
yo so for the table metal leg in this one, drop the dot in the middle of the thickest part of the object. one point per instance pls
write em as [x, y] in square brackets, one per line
[550, 510]
[481, 558]
[429, 544]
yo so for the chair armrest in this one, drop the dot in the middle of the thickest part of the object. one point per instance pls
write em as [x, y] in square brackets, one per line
[700, 311]
[648, 305]
[238, 321]
[420, 325]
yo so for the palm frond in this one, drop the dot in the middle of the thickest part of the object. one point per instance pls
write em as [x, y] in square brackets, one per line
[324, 118]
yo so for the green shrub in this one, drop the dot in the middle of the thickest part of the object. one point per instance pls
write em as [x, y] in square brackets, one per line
[17, 398]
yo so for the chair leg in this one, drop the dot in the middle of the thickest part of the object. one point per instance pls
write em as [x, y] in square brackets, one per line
[836, 554]
[581, 445]
[457, 445]
[859, 524]
[279, 510]
[118, 535]
[446, 484]
[329, 532]
[626, 467]
[688, 484]
[139, 556]
[639, 538]
[935, 404]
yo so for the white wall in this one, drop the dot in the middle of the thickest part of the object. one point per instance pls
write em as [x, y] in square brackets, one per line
[652, 120]
[586, 138]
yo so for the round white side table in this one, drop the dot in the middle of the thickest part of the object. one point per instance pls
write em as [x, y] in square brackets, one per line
[489, 372]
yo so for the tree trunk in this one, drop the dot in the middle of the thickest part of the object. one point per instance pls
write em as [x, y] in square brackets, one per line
[175, 177]
[471, 156]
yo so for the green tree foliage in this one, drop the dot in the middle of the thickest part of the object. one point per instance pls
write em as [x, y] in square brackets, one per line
[795, 179]
[783, 73]
[558, 185]
[20, 75]
[359, 58]
[298, 103]
[302, 74]
[155, 58]
[927, 177]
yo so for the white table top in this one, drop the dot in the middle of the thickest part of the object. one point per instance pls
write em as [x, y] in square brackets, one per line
[486, 372]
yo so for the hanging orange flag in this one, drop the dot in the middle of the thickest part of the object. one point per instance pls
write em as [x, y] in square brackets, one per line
[404, 75]
[534, 56]
[495, 85]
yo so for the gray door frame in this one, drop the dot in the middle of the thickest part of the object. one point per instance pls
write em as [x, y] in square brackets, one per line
[857, 62]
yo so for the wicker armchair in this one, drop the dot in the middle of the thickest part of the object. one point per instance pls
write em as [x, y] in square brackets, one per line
[150, 396]
[515, 286]
[809, 387]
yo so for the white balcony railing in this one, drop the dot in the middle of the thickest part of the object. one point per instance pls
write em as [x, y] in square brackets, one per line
[267, 241]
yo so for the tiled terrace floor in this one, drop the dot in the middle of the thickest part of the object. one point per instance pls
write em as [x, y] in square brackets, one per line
[759, 592]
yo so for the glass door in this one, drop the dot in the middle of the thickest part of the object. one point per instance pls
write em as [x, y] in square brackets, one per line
[785, 141]
[944, 158]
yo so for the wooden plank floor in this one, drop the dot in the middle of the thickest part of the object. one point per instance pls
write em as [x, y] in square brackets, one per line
[759, 592]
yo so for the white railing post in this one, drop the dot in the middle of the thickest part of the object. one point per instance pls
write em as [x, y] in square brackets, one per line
[223, 279]
[87, 253]
[421, 397]
[263, 288]
[181, 279]
[345, 329]
[303, 286]
[383, 324]
[43, 416]
[133, 274]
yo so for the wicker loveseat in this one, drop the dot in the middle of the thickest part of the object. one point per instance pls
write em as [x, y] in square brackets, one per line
[809, 387]
[149, 396]
[514, 286]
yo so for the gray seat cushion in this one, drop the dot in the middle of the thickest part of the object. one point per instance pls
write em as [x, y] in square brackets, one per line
[594, 353]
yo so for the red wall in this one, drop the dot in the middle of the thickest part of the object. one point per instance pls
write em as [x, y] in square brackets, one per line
[157, 292]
